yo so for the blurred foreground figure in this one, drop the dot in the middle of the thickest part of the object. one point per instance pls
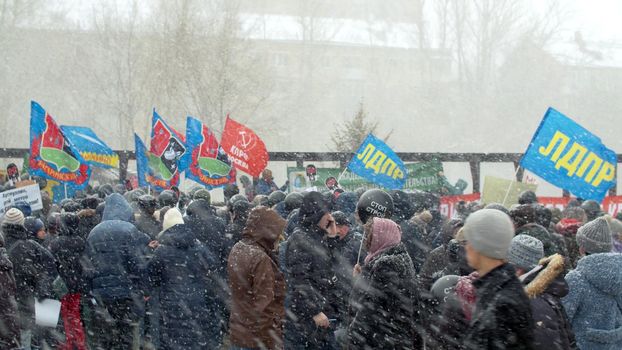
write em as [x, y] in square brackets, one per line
[502, 316]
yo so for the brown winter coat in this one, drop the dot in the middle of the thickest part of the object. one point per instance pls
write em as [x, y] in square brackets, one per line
[257, 285]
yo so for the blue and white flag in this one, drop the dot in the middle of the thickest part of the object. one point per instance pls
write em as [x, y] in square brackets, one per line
[376, 162]
[565, 154]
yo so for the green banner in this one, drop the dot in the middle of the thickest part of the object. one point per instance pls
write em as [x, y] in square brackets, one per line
[506, 192]
[423, 176]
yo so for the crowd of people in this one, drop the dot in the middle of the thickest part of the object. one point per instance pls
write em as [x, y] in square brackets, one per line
[316, 270]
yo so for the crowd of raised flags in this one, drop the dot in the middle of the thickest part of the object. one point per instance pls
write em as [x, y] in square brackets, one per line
[561, 152]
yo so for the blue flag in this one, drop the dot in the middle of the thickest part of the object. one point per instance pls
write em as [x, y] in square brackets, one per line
[565, 154]
[205, 161]
[91, 147]
[53, 156]
[376, 162]
[142, 163]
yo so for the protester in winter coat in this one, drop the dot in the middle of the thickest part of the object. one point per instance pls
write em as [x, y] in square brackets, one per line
[541, 234]
[439, 259]
[594, 304]
[383, 296]
[310, 277]
[545, 286]
[345, 253]
[568, 226]
[239, 214]
[265, 185]
[115, 252]
[257, 284]
[88, 216]
[616, 233]
[210, 230]
[413, 237]
[502, 318]
[34, 272]
[448, 322]
[9, 323]
[145, 220]
[183, 269]
[36, 228]
[68, 250]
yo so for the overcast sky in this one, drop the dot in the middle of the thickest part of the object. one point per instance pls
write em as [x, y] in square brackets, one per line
[596, 19]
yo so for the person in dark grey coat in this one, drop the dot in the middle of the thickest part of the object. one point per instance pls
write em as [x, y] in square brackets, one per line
[184, 270]
[34, 270]
[9, 329]
[310, 277]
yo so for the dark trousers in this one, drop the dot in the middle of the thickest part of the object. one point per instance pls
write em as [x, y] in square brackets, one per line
[116, 324]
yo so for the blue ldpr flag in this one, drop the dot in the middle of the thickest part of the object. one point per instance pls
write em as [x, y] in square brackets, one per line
[565, 154]
[376, 162]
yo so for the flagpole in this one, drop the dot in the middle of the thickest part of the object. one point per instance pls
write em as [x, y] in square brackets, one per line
[507, 193]
[65, 185]
[341, 175]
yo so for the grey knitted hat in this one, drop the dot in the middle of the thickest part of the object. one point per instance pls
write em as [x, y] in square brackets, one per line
[13, 216]
[525, 252]
[489, 232]
[595, 236]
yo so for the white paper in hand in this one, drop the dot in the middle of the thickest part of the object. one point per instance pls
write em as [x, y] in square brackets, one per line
[47, 312]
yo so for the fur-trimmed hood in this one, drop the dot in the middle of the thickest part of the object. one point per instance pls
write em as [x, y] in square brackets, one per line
[547, 278]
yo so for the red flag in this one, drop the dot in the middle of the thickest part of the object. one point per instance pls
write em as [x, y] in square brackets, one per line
[246, 150]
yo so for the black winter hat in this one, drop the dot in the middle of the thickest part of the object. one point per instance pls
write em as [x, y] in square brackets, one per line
[341, 218]
[70, 222]
[527, 197]
[313, 208]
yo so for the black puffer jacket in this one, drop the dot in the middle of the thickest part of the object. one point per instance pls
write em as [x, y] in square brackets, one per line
[69, 250]
[545, 290]
[34, 270]
[344, 253]
[183, 269]
[502, 318]
[9, 330]
[384, 303]
[115, 250]
[310, 282]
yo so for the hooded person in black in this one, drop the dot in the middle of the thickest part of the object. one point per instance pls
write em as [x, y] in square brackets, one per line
[310, 277]
[115, 249]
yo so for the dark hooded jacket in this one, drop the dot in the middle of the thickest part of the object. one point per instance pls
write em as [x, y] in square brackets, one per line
[69, 250]
[210, 230]
[115, 249]
[502, 318]
[9, 329]
[545, 288]
[383, 303]
[257, 284]
[184, 271]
